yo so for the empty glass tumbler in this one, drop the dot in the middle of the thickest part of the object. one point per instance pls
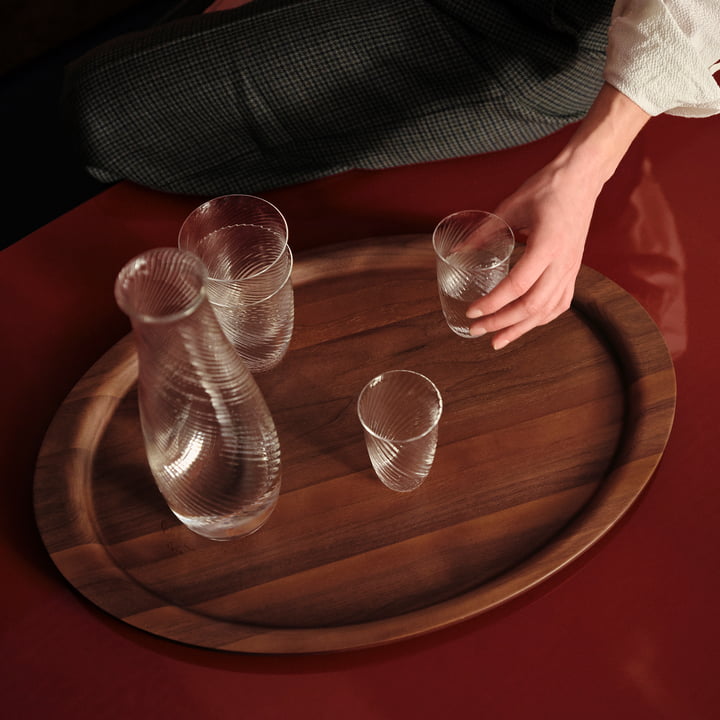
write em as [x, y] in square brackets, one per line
[472, 250]
[400, 411]
[211, 442]
[243, 241]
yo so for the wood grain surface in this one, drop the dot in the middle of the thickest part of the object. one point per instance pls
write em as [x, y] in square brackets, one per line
[543, 447]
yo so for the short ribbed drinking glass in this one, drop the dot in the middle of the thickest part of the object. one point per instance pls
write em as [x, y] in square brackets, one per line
[472, 249]
[400, 411]
[243, 242]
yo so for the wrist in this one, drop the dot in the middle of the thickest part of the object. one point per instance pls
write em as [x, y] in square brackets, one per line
[602, 138]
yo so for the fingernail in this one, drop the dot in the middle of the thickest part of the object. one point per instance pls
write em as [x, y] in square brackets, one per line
[500, 344]
[473, 313]
[478, 332]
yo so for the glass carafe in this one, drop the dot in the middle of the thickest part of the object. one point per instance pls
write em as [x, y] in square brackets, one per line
[211, 442]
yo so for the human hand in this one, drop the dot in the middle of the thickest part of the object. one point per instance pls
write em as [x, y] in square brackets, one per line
[552, 210]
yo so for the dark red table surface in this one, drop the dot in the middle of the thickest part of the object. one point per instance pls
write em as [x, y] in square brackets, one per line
[630, 630]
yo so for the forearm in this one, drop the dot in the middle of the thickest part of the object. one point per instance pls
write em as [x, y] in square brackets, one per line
[602, 138]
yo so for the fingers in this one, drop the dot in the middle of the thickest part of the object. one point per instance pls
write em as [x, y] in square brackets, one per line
[517, 308]
[501, 340]
[518, 282]
[516, 320]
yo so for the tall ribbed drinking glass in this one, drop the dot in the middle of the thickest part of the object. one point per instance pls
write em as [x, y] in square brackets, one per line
[211, 442]
[243, 241]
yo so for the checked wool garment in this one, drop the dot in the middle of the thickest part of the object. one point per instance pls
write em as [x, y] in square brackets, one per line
[278, 92]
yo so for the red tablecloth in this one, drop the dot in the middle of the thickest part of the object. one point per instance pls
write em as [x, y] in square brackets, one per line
[630, 630]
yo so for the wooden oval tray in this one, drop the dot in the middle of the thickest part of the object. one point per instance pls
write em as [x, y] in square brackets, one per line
[543, 446]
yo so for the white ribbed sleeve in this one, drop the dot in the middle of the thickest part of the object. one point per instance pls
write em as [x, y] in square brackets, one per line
[662, 55]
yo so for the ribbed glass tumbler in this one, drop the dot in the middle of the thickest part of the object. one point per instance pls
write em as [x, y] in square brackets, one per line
[243, 241]
[400, 411]
[472, 251]
[211, 442]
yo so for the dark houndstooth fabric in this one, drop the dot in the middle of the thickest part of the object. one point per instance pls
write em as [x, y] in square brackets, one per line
[282, 91]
